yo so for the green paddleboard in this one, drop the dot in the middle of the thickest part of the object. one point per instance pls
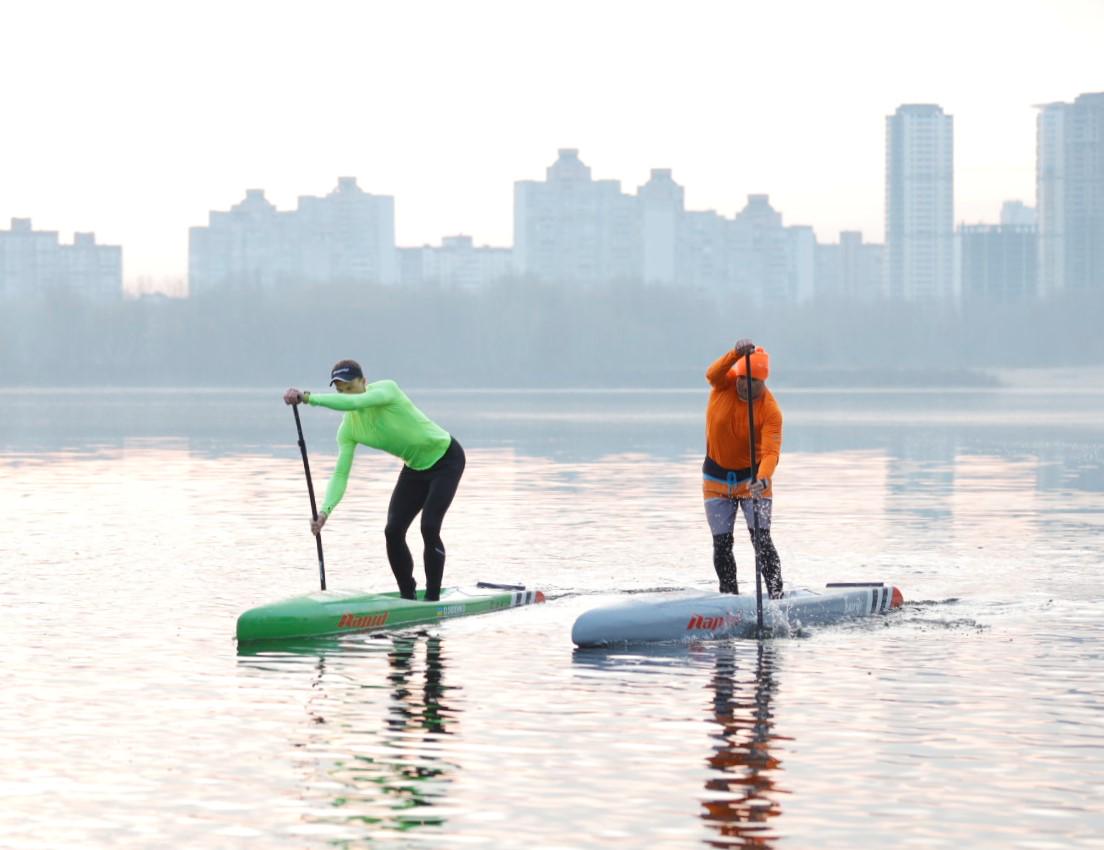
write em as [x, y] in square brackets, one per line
[335, 612]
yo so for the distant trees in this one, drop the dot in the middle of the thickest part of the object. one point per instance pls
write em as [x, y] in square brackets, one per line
[521, 334]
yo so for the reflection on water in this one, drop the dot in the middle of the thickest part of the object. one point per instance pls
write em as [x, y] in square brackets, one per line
[375, 733]
[742, 794]
[416, 777]
[741, 799]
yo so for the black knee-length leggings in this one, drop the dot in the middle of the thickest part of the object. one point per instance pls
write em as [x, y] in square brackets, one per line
[429, 491]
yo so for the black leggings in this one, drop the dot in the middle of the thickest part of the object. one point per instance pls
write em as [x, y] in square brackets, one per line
[769, 562]
[429, 491]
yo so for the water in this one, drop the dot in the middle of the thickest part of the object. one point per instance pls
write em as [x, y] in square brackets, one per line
[139, 524]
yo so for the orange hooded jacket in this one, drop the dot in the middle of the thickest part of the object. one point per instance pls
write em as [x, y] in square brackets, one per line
[726, 429]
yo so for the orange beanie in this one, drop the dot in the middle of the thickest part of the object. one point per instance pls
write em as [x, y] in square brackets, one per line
[760, 365]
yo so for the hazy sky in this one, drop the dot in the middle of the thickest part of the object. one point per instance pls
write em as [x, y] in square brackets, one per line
[134, 119]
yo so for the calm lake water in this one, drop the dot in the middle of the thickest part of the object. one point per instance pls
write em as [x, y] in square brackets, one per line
[139, 524]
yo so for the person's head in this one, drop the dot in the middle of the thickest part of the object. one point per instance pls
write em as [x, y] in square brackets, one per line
[346, 376]
[760, 371]
[742, 387]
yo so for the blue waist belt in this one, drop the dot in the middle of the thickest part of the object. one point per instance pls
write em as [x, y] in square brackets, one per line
[732, 477]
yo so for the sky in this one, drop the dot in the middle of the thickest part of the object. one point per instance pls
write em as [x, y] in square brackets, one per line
[134, 119]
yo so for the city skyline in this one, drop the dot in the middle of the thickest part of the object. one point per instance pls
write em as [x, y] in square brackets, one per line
[573, 228]
[301, 246]
[175, 280]
[159, 117]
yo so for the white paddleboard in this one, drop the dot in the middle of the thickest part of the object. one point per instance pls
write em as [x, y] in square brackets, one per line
[694, 614]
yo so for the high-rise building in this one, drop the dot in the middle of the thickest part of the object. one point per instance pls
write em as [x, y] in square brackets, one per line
[661, 212]
[1050, 195]
[999, 261]
[919, 205]
[1069, 181]
[706, 260]
[246, 247]
[456, 264]
[850, 269]
[571, 228]
[761, 262]
[662, 209]
[800, 263]
[34, 263]
[1018, 213]
[348, 236]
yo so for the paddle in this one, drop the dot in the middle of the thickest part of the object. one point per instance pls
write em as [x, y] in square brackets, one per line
[754, 499]
[310, 490]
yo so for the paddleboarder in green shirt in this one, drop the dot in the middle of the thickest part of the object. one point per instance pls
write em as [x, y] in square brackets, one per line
[380, 415]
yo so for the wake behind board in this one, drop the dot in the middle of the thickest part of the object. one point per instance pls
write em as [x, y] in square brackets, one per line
[696, 614]
[335, 612]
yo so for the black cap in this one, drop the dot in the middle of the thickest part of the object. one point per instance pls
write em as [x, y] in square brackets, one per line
[345, 370]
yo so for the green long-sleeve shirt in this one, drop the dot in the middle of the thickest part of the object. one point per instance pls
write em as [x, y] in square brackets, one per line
[381, 417]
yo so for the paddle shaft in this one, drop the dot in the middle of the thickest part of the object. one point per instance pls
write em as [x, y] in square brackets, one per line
[310, 491]
[754, 499]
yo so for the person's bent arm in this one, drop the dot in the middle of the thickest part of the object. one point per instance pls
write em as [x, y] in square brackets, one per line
[382, 392]
[718, 373]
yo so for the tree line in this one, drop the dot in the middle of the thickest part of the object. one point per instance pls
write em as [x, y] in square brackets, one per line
[524, 334]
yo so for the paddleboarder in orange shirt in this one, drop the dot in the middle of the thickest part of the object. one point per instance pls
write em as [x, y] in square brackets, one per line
[729, 484]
